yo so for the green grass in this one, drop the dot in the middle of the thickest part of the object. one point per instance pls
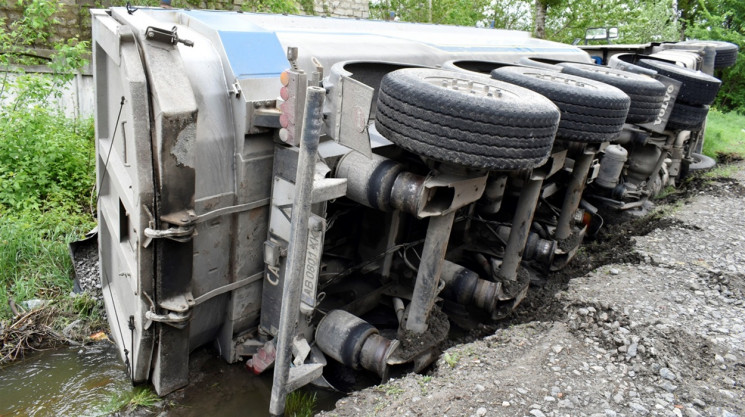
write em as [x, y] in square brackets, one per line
[451, 358]
[300, 404]
[46, 174]
[725, 136]
[129, 400]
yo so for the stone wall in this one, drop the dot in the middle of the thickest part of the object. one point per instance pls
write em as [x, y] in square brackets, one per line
[343, 8]
[74, 16]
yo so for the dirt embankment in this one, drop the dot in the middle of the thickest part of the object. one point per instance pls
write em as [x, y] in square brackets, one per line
[659, 331]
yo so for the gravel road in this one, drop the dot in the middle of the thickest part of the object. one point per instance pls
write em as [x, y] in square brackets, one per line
[661, 335]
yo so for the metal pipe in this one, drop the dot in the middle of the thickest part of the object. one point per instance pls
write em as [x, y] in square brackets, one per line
[465, 287]
[574, 193]
[311, 132]
[428, 276]
[398, 306]
[521, 222]
[678, 152]
[663, 155]
[354, 342]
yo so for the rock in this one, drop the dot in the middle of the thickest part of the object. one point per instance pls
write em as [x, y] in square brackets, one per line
[565, 404]
[481, 412]
[631, 352]
[34, 304]
[505, 403]
[638, 408]
[667, 374]
[480, 388]
[537, 413]
[614, 271]
[691, 412]
[557, 348]
[668, 386]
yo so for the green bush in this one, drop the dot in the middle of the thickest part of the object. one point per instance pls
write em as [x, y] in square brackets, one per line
[46, 162]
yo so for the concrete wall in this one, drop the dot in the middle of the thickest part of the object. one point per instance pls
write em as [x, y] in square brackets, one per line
[76, 100]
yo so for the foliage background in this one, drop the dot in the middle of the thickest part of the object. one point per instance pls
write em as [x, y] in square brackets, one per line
[46, 160]
[639, 21]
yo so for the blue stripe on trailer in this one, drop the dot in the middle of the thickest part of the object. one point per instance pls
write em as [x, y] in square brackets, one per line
[252, 51]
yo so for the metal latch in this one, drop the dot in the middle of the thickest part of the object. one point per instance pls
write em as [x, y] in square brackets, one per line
[177, 311]
[166, 36]
[177, 320]
[179, 234]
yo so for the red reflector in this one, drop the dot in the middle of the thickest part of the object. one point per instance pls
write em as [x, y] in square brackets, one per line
[284, 121]
[284, 92]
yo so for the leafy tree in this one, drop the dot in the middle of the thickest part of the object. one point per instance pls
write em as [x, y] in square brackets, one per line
[450, 12]
[540, 12]
[637, 21]
[721, 20]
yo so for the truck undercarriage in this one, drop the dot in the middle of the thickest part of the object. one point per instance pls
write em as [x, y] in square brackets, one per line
[299, 191]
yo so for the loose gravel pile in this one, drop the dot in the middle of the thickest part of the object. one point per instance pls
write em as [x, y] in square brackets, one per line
[664, 336]
[86, 270]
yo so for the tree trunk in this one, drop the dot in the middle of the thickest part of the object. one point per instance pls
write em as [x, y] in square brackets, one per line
[539, 19]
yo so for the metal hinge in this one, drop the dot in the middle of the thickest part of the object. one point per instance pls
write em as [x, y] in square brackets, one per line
[166, 36]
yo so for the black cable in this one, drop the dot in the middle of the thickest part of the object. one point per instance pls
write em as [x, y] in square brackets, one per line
[130, 369]
[108, 155]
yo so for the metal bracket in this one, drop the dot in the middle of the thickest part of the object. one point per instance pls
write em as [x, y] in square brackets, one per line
[166, 36]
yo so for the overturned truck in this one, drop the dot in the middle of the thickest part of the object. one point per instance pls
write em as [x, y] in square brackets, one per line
[304, 192]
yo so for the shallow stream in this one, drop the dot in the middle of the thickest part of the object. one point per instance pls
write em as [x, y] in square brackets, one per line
[82, 382]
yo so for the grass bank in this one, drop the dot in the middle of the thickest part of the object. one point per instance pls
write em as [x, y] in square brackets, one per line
[725, 136]
[46, 176]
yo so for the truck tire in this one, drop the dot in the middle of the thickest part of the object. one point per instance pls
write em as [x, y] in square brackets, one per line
[645, 92]
[591, 111]
[685, 117]
[701, 162]
[698, 88]
[466, 119]
[726, 51]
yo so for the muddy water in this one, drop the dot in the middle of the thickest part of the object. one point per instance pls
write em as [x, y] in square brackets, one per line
[62, 382]
[81, 381]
